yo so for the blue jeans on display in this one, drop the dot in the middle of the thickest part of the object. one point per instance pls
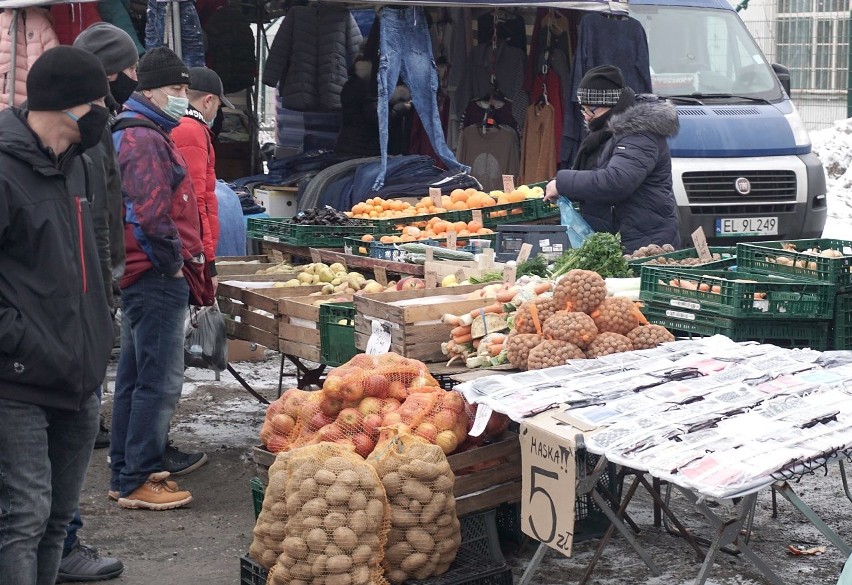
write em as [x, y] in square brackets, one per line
[149, 377]
[405, 50]
[44, 455]
[192, 42]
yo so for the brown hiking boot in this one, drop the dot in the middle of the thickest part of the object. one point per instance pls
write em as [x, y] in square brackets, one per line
[113, 494]
[156, 494]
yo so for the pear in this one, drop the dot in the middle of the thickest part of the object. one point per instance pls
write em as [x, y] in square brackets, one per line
[278, 285]
[337, 267]
[325, 275]
[292, 283]
[336, 280]
[449, 280]
[304, 278]
[327, 289]
[372, 287]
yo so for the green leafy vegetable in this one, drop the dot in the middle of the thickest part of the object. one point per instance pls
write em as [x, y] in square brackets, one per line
[533, 267]
[493, 276]
[601, 252]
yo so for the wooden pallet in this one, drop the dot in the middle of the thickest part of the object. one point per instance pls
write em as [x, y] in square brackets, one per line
[416, 330]
[474, 492]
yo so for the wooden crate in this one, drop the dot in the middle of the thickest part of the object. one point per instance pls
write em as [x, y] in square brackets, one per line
[255, 314]
[474, 492]
[416, 330]
[303, 341]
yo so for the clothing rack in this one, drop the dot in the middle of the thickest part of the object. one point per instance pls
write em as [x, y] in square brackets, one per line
[15, 6]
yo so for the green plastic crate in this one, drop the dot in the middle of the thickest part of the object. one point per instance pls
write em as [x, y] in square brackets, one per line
[258, 491]
[337, 340]
[510, 213]
[842, 325]
[785, 298]
[545, 210]
[786, 333]
[316, 236]
[761, 257]
[728, 253]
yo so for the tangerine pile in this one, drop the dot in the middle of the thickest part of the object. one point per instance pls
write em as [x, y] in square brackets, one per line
[435, 229]
[458, 200]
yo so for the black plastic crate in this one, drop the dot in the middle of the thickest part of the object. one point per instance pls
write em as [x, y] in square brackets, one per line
[470, 568]
[251, 572]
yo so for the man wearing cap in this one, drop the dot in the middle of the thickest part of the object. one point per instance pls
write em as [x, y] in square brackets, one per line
[622, 176]
[162, 230]
[55, 327]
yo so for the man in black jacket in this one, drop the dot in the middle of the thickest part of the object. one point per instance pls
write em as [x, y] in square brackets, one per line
[55, 328]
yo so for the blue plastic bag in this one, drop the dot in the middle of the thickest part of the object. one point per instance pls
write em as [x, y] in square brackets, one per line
[578, 228]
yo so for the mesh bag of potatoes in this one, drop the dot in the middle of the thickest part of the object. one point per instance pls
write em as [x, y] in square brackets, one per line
[518, 347]
[425, 532]
[607, 343]
[617, 315]
[649, 336]
[270, 528]
[338, 519]
[530, 316]
[575, 327]
[552, 352]
[579, 290]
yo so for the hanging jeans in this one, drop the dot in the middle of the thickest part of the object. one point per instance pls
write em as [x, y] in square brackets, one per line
[405, 49]
[157, 30]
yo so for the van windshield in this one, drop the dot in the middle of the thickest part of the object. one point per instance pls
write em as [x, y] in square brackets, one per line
[706, 54]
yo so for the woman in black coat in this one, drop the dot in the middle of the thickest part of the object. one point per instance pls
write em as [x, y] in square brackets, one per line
[622, 176]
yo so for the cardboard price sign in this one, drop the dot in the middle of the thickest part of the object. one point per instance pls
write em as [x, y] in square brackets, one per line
[476, 215]
[524, 253]
[548, 486]
[380, 338]
[431, 279]
[315, 255]
[510, 274]
[452, 237]
[381, 275]
[435, 195]
[508, 183]
[700, 241]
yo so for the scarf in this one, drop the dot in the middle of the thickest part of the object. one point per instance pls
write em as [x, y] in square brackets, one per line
[589, 150]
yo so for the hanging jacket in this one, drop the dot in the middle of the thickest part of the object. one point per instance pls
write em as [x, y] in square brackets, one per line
[55, 328]
[230, 48]
[35, 36]
[194, 141]
[633, 174]
[69, 20]
[310, 57]
[117, 13]
[161, 223]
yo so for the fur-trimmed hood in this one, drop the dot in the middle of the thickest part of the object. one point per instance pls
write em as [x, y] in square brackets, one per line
[648, 114]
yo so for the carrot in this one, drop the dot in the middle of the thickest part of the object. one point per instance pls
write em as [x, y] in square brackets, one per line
[464, 338]
[541, 288]
[449, 319]
[498, 338]
[495, 308]
[639, 316]
[461, 330]
[595, 314]
[495, 349]
[534, 315]
[504, 296]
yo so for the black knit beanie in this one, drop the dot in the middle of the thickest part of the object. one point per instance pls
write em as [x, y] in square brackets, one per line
[64, 77]
[110, 44]
[161, 67]
[601, 86]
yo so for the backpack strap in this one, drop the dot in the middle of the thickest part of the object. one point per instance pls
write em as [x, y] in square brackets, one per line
[126, 120]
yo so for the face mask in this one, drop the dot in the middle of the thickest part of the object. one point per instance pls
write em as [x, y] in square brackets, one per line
[91, 125]
[122, 88]
[176, 106]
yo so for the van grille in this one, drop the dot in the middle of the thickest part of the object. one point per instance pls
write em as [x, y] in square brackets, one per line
[719, 186]
[766, 208]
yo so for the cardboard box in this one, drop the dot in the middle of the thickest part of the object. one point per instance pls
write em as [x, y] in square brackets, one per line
[245, 351]
[548, 481]
[278, 201]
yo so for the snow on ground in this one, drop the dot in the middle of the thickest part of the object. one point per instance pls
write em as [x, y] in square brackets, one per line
[834, 148]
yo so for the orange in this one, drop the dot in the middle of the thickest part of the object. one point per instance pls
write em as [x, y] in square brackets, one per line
[463, 233]
[440, 226]
[459, 226]
[408, 238]
[474, 226]
[485, 231]
[367, 238]
[386, 239]
[412, 231]
[470, 191]
[446, 202]
[458, 195]
[459, 206]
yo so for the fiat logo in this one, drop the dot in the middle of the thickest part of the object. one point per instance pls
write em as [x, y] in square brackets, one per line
[743, 186]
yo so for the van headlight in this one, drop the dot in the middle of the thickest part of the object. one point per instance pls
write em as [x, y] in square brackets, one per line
[800, 133]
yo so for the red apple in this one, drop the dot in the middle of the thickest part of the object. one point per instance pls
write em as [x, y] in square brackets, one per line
[372, 422]
[445, 420]
[350, 420]
[318, 421]
[364, 445]
[330, 433]
[447, 441]
[370, 405]
[330, 406]
[376, 385]
[410, 284]
[427, 431]
[497, 424]
[283, 424]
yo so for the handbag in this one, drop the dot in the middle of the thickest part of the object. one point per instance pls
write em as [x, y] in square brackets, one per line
[201, 291]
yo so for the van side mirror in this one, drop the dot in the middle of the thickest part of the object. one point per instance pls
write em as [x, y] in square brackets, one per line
[783, 75]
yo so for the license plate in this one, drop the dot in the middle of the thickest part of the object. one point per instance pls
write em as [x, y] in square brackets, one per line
[746, 226]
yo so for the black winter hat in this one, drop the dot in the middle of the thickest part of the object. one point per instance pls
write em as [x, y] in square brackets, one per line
[110, 44]
[601, 86]
[161, 67]
[64, 77]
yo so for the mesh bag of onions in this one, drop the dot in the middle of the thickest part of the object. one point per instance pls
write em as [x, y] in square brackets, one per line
[607, 343]
[286, 419]
[425, 532]
[270, 528]
[552, 352]
[338, 519]
[649, 336]
[575, 327]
